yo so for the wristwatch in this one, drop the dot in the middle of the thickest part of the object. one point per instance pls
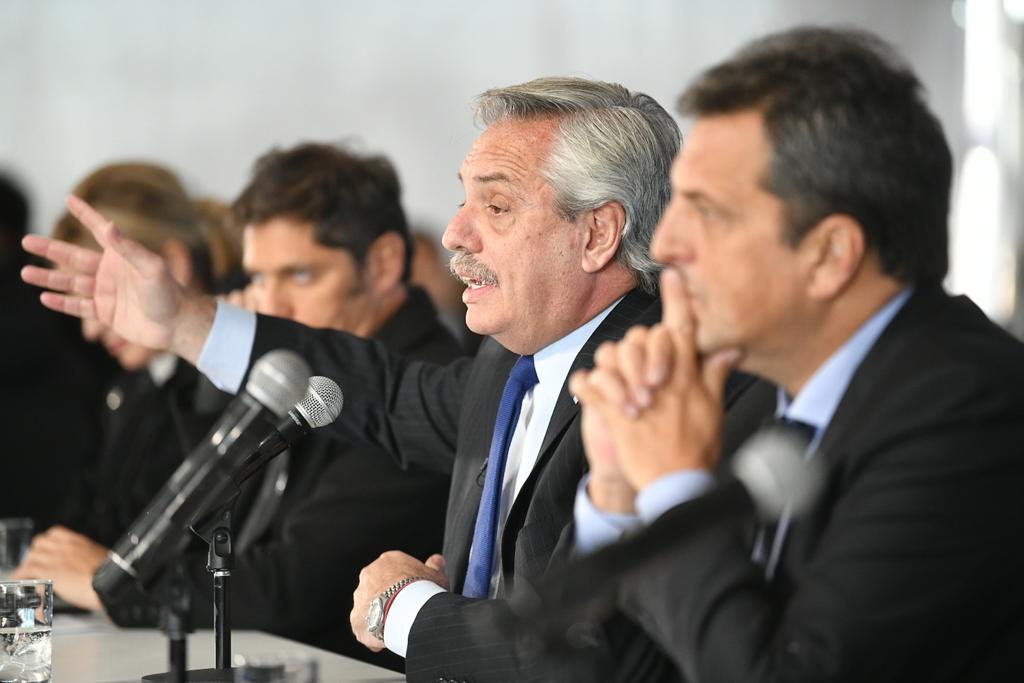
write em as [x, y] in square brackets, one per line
[379, 606]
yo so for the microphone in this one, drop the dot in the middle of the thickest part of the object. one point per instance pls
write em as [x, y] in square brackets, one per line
[207, 477]
[319, 407]
[772, 475]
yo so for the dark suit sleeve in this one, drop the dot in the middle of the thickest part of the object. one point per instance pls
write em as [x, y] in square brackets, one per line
[910, 565]
[407, 408]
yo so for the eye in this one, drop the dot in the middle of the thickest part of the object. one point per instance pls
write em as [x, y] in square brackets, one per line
[495, 210]
[256, 279]
[303, 277]
[704, 210]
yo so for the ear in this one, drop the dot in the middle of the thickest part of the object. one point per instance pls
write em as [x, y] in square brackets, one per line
[385, 262]
[179, 260]
[602, 234]
[834, 251]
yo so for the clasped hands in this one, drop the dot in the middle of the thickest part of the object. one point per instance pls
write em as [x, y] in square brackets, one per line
[652, 404]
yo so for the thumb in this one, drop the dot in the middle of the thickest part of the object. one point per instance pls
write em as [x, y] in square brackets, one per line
[437, 563]
[716, 369]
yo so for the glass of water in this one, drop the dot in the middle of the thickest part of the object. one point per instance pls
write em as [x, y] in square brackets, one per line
[26, 622]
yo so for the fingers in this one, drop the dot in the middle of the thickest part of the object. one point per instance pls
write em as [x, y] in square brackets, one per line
[716, 369]
[632, 361]
[659, 352]
[603, 388]
[676, 312]
[105, 232]
[69, 256]
[59, 280]
[109, 237]
[71, 305]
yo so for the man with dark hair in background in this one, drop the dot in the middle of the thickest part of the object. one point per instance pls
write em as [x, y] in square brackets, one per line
[325, 243]
[807, 242]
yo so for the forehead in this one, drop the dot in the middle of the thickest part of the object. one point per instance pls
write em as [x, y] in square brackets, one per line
[283, 240]
[510, 152]
[724, 153]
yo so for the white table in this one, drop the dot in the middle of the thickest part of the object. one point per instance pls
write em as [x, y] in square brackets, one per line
[89, 649]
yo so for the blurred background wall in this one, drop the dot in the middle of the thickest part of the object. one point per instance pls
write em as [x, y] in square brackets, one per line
[207, 86]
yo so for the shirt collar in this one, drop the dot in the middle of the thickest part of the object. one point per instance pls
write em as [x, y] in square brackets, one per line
[819, 398]
[553, 362]
[162, 367]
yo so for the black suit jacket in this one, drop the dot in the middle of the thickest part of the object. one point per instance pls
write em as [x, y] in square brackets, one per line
[147, 430]
[343, 504]
[442, 418]
[911, 566]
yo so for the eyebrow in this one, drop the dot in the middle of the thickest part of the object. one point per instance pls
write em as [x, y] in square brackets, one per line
[489, 178]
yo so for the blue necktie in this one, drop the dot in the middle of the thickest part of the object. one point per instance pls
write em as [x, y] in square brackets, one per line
[478, 574]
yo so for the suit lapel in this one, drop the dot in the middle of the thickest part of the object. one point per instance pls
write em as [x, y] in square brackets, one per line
[476, 426]
[636, 308]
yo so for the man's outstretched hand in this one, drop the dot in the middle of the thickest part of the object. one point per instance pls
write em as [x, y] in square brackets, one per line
[124, 286]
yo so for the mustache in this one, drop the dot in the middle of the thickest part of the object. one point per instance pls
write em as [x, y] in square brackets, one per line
[464, 266]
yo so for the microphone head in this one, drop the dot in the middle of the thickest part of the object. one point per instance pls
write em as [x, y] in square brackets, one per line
[322, 402]
[278, 380]
[772, 466]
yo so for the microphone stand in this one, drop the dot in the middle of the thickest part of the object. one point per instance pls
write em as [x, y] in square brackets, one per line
[176, 622]
[219, 562]
[215, 529]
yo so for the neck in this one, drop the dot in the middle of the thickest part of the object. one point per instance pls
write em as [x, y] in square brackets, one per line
[583, 308]
[825, 331]
[384, 306]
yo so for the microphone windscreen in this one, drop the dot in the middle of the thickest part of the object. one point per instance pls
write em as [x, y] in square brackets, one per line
[322, 402]
[774, 467]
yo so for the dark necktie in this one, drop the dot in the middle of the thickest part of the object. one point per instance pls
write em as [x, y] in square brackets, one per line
[770, 536]
[265, 505]
[478, 575]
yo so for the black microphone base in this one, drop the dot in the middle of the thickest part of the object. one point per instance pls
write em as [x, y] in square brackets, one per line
[197, 676]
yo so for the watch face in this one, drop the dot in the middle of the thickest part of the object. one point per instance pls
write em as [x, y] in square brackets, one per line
[375, 616]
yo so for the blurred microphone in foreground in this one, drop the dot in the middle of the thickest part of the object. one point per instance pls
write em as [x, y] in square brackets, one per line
[771, 476]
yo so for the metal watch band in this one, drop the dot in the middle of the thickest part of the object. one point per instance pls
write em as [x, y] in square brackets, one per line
[385, 598]
[393, 590]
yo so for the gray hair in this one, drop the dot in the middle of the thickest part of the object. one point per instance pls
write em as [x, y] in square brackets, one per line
[612, 145]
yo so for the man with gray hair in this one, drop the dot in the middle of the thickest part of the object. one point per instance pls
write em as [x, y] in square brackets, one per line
[563, 190]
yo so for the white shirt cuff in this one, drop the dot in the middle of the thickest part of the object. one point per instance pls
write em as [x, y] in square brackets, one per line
[670, 490]
[225, 355]
[595, 528]
[406, 605]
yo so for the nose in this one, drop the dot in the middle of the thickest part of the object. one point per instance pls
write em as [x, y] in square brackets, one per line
[672, 243]
[461, 233]
[274, 300]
